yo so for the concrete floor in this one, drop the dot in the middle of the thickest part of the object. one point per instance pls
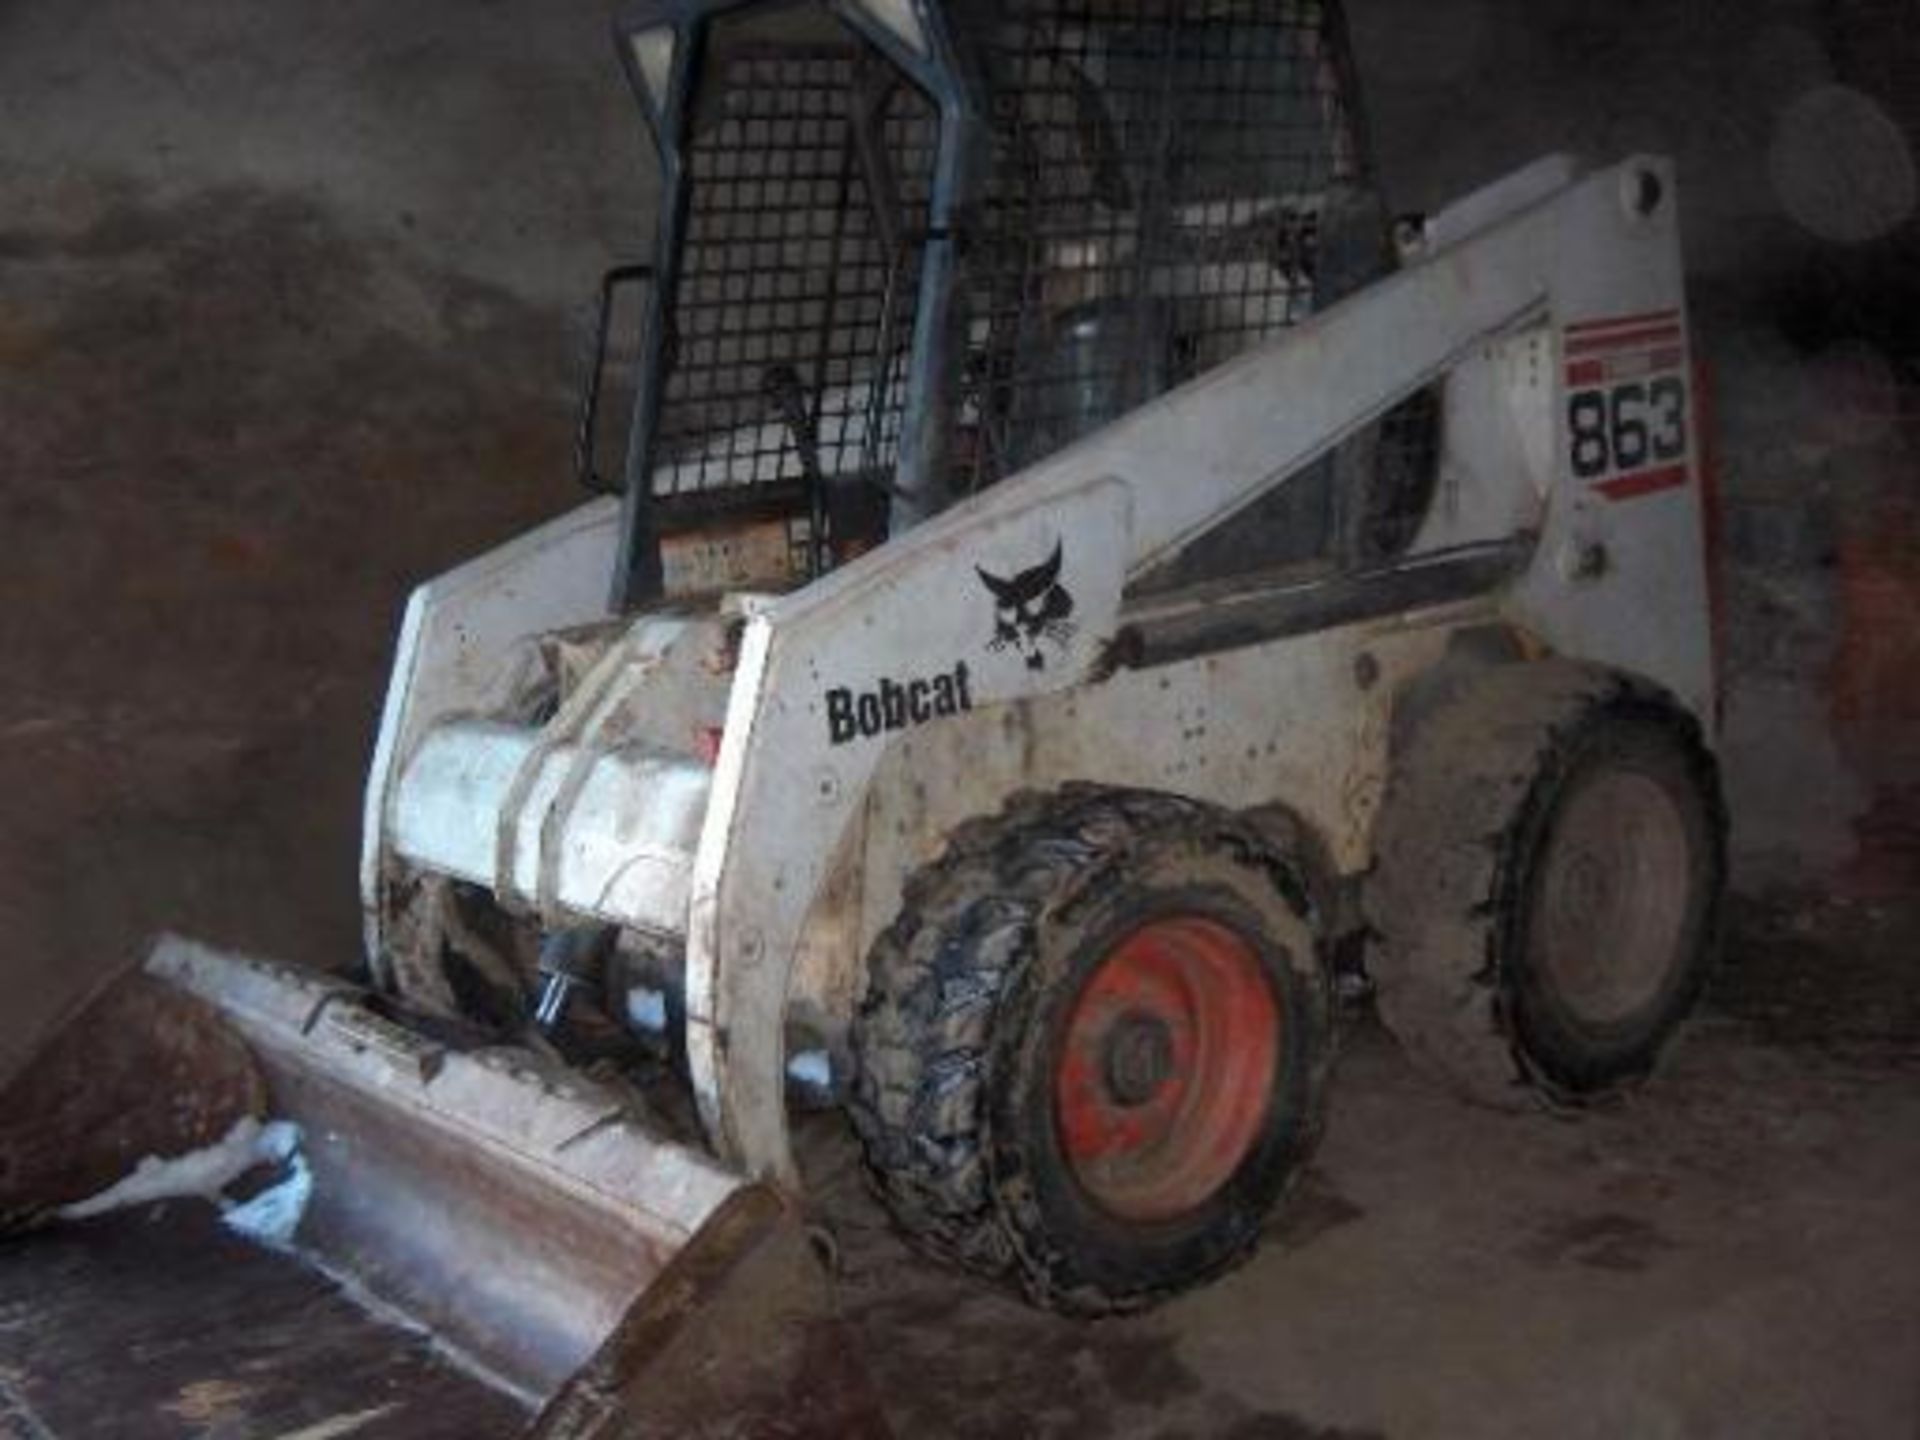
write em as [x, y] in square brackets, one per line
[1732, 1251]
[287, 323]
[1735, 1253]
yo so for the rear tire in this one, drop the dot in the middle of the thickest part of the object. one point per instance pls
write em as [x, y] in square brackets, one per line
[1546, 891]
[1094, 1048]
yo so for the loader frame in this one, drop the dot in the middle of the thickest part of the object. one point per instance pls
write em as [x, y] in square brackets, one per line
[873, 709]
[1337, 620]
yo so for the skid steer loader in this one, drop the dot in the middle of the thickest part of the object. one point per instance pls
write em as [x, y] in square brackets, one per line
[1080, 579]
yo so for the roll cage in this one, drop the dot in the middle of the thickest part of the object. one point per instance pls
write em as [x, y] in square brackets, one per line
[905, 249]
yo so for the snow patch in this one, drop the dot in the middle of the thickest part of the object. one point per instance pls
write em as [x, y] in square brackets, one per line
[270, 1217]
[200, 1174]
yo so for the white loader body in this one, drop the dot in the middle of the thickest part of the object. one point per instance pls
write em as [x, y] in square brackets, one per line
[755, 797]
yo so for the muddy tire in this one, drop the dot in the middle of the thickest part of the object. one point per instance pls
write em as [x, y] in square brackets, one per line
[1545, 897]
[1094, 1048]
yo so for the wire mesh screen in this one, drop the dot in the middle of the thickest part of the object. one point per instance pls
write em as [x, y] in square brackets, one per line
[808, 174]
[1159, 203]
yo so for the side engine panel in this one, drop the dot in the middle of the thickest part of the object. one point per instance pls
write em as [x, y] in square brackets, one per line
[1304, 722]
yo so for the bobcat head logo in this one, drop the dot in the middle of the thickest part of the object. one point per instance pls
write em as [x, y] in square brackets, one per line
[1031, 608]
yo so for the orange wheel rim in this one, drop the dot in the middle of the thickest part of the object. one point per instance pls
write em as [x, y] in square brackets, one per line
[1165, 1077]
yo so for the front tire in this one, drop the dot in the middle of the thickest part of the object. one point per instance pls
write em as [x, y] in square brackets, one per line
[1094, 1049]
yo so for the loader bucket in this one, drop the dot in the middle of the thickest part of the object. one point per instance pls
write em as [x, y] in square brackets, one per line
[81, 1115]
[513, 1207]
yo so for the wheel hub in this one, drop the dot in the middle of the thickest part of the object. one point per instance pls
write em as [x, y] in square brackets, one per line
[1139, 1058]
[1613, 896]
[1584, 896]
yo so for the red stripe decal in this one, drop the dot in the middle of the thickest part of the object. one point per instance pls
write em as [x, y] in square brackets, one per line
[1624, 340]
[1587, 372]
[1643, 482]
[1624, 322]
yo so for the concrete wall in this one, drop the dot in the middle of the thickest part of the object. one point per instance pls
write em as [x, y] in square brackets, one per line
[495, 139]
[288, 321]
[1793, 123]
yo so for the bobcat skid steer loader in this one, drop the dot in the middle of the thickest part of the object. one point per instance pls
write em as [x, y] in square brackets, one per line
[1078, 575]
